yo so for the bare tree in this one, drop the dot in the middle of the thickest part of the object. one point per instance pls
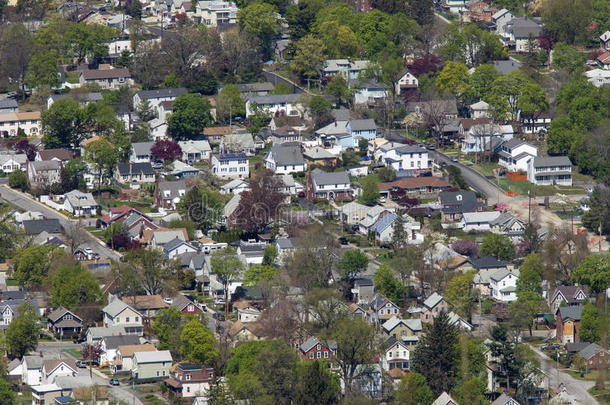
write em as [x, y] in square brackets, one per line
[74, 234]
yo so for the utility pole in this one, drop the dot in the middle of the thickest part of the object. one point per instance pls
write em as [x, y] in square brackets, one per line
[529, 205]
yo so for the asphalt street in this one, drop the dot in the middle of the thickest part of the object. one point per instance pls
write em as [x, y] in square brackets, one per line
[29, 204]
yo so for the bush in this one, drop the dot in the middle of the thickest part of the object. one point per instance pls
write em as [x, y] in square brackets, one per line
[465, 247]
[18, 180]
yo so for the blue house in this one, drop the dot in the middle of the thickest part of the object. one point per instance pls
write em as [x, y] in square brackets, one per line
[366, 129]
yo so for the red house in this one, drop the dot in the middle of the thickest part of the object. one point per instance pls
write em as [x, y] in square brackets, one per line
[568, 324]
[186, 306]
[314, 349]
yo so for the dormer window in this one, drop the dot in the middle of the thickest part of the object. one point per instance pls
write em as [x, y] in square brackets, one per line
[459, 197]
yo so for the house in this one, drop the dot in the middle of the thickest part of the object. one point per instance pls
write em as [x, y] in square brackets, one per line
[319, 156]
[158, 129]
[118, 313]
[8, 105]
[459, 322]
[479, 109]
[135, 173]
[444, 399]
[230, 166]
[570, 295]
[140, 152]
[396, 355]
[544, 171]
[248, 314]
[37, 226]
[109, 346]
[195, 151]
[568, 323]
[598, 77]
[107, 79]
[521, 33]
[187, 306]
[216, 134]
[150, 366]
[10, 162]
[254, 89]
[412, 159]
[346, 68]
[595, 357]
[483, 138]
[124, 357]
[505, 400]
[479, 11]
[117, 45]
[12, 122]
[455, 203]
[31, 367]
[369, 92]
[328, 186]
[251, 251]
[79, 204]
[177, 247]
[495, 221]
[286, 104]
[363, 291]
[59, 154]
[500, 18]
[406, 331]
[190, 380]
[455, 6]
[407, 82]
[169, 193]
[362, 129]
[383, 228]
[284, 159]
[433, 305]
[383, 309]
[64, 322]
[422, 109]
[603, 60]
[215, 13]
[503, 285]
[315, 349]
[147, 305]
[95, 334]
[604, 41]
[482, 280]
[285, 134]
[507, 66]
[515, 154]
[82, 99]
[182, 170]
[53, 368]
[155, 97]
[538, 123]
[234, 186]
[288, 122]
[162, 236]
[240, 331]
[238, 143]
[43, 173]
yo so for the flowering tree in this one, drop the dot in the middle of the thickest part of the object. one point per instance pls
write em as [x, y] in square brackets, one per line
[465, 247]
[166, 150]
[24, 146]
[92, 352]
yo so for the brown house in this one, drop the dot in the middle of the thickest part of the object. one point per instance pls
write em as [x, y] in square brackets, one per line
[215, 134]
[568, 324]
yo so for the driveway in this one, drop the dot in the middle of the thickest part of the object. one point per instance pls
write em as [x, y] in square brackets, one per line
[577, 388]
[29, 204]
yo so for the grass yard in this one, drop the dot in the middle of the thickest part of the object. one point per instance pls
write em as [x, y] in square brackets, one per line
[11, 282]
[73, 352]
[72, 77]
[602, 396]
[486, 169]
[521, 187]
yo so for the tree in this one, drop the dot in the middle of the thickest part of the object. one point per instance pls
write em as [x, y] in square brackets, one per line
[92, 352]
[227, 267]
[530, 276]
[505, 93]
[7, 395]
[259, 272]
[315, 384]
[203, 207]
[386, 174]
[18, 180]
[166, 150]
[260, 205]
[29, 149]
[190, 115]
[370, 192]
[72, 286]
[152, 270]
[16, 48]
[42, 70]
[568, 57]
[435, 356]
[388, 285]
[198, 344]
[532, 101]
[320, 109]
[168, 326]
[145, 111]
[524, 310]
[465, 247]
[591, 321]
[309, 57]
[453, 79]
[399, 234]
[599, 213]
[421, 11]
[31, 265]
[351, 264]
[594, 271]
[101, 154]
[480, 82]
[260, 21]
[461, 294]
[229, 103]
[23, 332]
[259, 119]
[414, 390]
[63, 125]
[498, 246]
[270, 255]
[338, 88]
[355, 349]
[566, 20]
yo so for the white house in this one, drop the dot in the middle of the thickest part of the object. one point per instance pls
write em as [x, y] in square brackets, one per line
[230, 166]
[12, 122]
[248, 314]
[235, 186]
[503, 284]
[278, 103]
[178, 247]
[500, 18]
[216, 13]
[32, 370]
[78, 203]
[155, 97]
[369, 92]
[407, 81]
[397, 355]
[550, 170]
[158, 129]
[43, 173]
[598, 77]
[9, 162]
[349, 69]
[195, 151]
[401, 157]
[514, 155]
[140, 152]
[480, 109]
[285, 159]
[485, 137]
[383, 229]
[118, 313]
[328, 185]
[478, 221]
[117, 45]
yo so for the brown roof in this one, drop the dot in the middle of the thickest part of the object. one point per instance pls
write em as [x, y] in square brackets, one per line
[289, 120]
[129, 350]
[167, 104]
[86, 393]
[217, 131]
[92, 139]
[396, 373]
[414, 182]
[144, 302]
[603, 57]
[467, 123]
[105, 74]
[241, 304]
[253, 327]
[61, 154]
[51, 364]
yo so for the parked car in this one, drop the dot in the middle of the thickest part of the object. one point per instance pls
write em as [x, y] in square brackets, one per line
[301, 194]
[114, 381]
[82, 364]
[81, 339]
[218, 316]
[430, 147]
[455, 159]
[343, 240]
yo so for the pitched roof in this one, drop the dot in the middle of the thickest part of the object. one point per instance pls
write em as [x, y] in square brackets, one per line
[318, 153]
[504, 399]
[52, 364]
[506, 66]
[51, 225]
[105, 73]
[500, 274]
[79, 199]
[313, 341]
[323, 178]
[273, 99]
[100, 331]
[144, 302]
[287, 155]
[142, 148]
[363, 125]
[116, 307]
[144, 168]
[113, 342]
[59, 154]
[487, 262]
[433, 300]
[8, 103]
[552, 161]
[444, 399]
[58, 313]
[212, 131]
[569, 292]
[384, 222]
[129, 350]
[160, 93]
[152, 357]
[573, 312]
[590, 351]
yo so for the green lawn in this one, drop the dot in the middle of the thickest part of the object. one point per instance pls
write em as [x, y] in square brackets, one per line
[11, 282]
[486, 169]
[74, 353]
[602, 396]
[521, 187]
[72, 77]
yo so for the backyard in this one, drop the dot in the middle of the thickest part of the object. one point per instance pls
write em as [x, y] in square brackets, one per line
[521, 187]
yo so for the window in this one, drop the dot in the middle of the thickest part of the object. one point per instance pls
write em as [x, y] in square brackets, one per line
[188, 389]
[389, 354]
[319, 355]
[127, 319]
[137, 319]
[158, 373]
[318, 347]
[164, 373]
[325, 355]
[188, 377]
[311, 355]
[190, 308]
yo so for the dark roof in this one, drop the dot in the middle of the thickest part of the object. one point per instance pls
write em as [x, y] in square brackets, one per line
[458, 201]
[523, 27]
[189, 366]
[590, 351]
[113, 342]
[231, 156]
[34, 227]
[576, 347]
[552, 161]
[160, 93]
[105, 74]
[569, 292]
[61, 154]
[506, 66]
[273, 99]
[287, 155]
[573, 312]
[136, 168]
[362, 125]
[322, 178]
[365, 282]
[487, 262]
[8, 103]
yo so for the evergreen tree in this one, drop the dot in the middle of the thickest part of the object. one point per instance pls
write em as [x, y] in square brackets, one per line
[399, 235]
[316, 385]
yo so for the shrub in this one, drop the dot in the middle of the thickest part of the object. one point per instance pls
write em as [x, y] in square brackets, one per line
[465, 247]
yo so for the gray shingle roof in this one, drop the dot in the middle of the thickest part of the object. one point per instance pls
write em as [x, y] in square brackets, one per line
[113, 342]
[312, 341]
[142, 148]
[287, 155]
[590, 351]
[363, 125]
[34, 227]
[160, 93]
[573, 312]
[552, 161]
[174, 188]
[116, 307]
[273, 99]
[8, 103]
[322, 178]
[506, 66]
[79, 199]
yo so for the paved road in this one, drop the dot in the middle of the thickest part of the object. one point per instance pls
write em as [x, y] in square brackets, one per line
[577, 388]
[477, 181]
[28, 204]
